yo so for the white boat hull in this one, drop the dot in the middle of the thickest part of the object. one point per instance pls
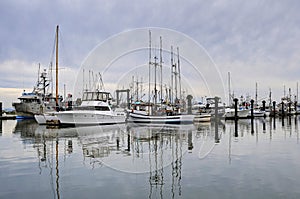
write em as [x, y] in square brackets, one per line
[44, 118]
[230, 113]
[170, 119]
[257, 113]
[89, 118]
[202, 118]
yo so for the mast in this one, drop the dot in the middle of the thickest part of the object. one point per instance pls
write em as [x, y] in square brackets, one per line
[175, 79]
[229, 91]
[149, 67]
[56, 72]
[137, 88]
[172, 76]
[141, 88]
[270, 98]
[89, 79]
[297, 93]
[179, 75]
[38, 79]
[39, 71]
[155, 89]
[256, 93]
[161, 89]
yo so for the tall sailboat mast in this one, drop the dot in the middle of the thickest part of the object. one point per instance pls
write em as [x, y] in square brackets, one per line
[149, 67]
[155, 89]
[229, 91]
[297, 93]
[172, 75]
[56, 96]
[161, 89]
[179, 75]
[256, 103]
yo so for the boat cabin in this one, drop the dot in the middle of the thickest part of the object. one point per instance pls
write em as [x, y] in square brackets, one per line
[96, 96]
[30, 98]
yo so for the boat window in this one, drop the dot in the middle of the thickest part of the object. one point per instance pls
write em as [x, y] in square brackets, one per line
[95, 96]
[100, 96]
[98, 108]
[84, 97]
[105, 96]
[89, 96]
[102, 108]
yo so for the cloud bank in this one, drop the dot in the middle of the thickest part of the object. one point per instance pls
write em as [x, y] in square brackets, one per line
[257, 41]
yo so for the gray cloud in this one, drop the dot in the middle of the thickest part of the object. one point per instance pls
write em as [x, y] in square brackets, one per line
[257, 38]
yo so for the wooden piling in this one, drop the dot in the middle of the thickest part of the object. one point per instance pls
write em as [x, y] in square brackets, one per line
[189, 98]
[252, 108]
[264, 105]
[217, 139]
[252, 115]
[274, 108]
[282, 109]
[235, 108]
[0, 109]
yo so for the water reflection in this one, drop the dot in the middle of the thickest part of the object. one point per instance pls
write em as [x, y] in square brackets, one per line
[155, 152]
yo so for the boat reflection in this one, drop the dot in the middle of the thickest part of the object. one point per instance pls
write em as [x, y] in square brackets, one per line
[163, 148]
[159, 153]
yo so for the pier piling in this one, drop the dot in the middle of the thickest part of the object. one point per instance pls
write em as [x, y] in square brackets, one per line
[290, 107]
[0, 117]
[189, 98]
[235, 117]
[282, 109]
[263, 105]
[252, 115]
[274, 108]
[190, 141]
[235, 108]
[217, 139]
[0, 109]
[236, 134]
[251, 109]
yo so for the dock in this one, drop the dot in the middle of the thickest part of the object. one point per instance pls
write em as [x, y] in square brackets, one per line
[7, 117]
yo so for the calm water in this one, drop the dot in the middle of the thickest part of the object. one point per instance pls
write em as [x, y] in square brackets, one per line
[228, 160]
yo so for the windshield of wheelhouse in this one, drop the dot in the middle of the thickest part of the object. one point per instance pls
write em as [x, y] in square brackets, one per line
[92, 108]
[96, 96]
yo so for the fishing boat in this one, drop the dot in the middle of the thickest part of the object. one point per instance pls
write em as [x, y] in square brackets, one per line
[203, 111]
[140, 114]
[95, 109]
[163, 111]
[203, 117]
[241, 113]
[37, 101]
[258, 113]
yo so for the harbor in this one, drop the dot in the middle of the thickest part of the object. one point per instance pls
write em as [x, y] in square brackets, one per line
[230, 159]
[153, 99]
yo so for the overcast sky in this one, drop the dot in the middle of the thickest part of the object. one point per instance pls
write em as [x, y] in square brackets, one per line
[256, 41]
